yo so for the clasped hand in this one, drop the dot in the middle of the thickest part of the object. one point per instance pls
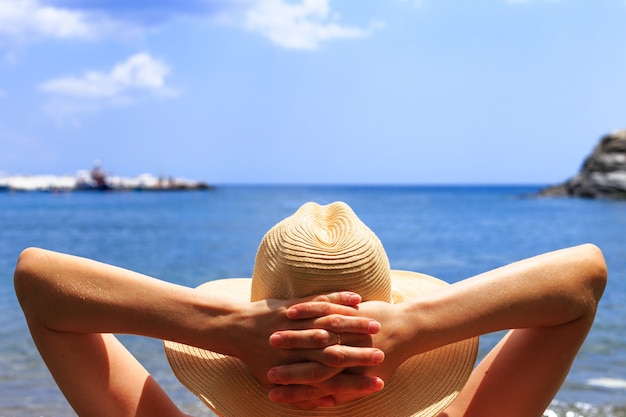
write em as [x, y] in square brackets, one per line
[308, 368]
[305, 362]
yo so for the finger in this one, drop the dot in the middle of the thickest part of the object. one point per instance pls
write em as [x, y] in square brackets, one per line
[342, 385]
[338, 323]
[346, 298]
[302, 339]
[313, 309]
[336, 318]
[317, 339]
[347, 356]
[305, 373]
[334, 356]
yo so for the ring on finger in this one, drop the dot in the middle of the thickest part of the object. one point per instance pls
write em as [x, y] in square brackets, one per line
[338, 338]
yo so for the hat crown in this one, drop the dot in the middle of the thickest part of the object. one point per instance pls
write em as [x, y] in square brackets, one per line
[321, 249]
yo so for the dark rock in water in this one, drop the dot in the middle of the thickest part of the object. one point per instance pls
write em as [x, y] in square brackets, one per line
[603, 174]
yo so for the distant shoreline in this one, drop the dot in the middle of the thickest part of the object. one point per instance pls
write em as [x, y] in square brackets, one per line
[97, 180]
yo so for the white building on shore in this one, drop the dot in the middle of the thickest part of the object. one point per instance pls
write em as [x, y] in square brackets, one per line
[96, 180]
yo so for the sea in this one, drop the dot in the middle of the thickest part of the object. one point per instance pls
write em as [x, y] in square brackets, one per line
[451, 232]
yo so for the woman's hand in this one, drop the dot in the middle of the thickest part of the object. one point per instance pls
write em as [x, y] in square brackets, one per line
[354, 381]
[320, 360]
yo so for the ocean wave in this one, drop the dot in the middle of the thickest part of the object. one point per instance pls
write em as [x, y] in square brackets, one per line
[613, 383]
[580, 409]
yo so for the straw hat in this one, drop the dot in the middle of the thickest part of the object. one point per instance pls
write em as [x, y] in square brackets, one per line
[321, 249]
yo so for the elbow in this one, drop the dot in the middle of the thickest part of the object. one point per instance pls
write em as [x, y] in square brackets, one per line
[25, 276]
[595, 272]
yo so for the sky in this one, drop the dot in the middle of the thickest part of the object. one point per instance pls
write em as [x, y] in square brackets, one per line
[311, 91]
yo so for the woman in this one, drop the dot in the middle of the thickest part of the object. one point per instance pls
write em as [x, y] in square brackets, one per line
[325, 350]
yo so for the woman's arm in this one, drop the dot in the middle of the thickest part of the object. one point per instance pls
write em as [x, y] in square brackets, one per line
[550, 300]
[72, 305]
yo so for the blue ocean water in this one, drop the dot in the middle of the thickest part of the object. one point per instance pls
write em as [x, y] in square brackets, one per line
[193, 237]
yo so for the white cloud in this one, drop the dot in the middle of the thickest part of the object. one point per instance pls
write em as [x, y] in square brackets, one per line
[27, 21]
[137, 77]
[304, 24]
[140, 72]
[29, 18]
[298, 26]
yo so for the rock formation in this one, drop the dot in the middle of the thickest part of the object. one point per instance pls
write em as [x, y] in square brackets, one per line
[603, 174]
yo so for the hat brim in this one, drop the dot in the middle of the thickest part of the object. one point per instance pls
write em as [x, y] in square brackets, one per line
[422, 386]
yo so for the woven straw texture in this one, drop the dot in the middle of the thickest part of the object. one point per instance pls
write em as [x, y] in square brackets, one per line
[322, 249]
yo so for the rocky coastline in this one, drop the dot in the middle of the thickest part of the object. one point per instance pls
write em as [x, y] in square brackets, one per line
[602, 175]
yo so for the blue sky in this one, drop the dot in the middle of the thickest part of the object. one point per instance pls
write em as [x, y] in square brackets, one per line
[313, 91]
